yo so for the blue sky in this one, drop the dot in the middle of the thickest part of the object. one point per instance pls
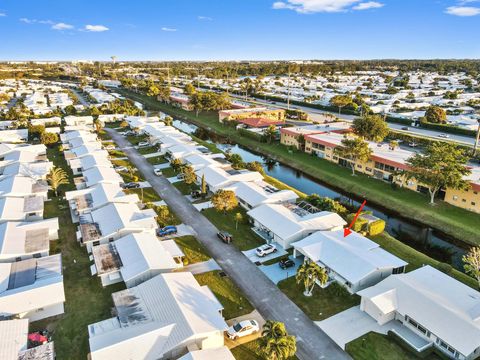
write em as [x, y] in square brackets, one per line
[238, 29]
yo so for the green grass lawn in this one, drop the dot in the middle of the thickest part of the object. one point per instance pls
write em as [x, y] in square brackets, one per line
[459, 223]
[116, 153]
[251, 351]
[147, 150]
[417, 259]
[374, 346]
[234, 302]
[243, 237]
[86, 300]
[185, 189]
[113, 125]
[193, 250]
[135, 139]
[169, 172]
[146, 195]
[323, 303]
[156, 160]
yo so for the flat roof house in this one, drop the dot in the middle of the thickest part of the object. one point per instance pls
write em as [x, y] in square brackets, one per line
[367, 262]
[92, 198]
[159, 319]
[114, 221]
[218, 178]
[86, 162]
[221, 353]
[21, 208]
[253, 194]
[14, 136]
[286, 223]
[132, 259]
[72, 120]
[22, 186]
[35, 170]
[429, 306]
[23, 240]
[14, 343]
[96, 175]
[32, 288]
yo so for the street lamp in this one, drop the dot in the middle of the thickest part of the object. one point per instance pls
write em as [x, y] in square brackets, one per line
[477, 139]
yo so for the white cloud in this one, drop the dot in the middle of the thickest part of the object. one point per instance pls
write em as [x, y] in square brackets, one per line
[315, 6]
[463, 10]
[96, 28]
[2, 14]
[204, 18]
[35, 21]
[62, 26]
[27, 21]
[168, 29]
[368, 5]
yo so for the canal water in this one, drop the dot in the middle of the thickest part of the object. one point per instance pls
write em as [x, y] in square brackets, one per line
[415, 235]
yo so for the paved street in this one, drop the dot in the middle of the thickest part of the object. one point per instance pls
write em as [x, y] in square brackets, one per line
[312, 342]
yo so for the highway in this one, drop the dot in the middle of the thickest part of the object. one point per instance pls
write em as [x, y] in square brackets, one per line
[316, 114]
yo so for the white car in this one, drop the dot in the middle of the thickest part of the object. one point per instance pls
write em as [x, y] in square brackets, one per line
[243, 328]
[266, 249]
[143, 144]
[443, 136]
[157, 172]
[121, 168]
[110, 147]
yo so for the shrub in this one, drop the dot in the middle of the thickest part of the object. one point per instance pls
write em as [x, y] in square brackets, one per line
[359, 225]
[376, 227]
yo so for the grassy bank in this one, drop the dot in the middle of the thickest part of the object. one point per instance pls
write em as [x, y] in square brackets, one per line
[456, 222]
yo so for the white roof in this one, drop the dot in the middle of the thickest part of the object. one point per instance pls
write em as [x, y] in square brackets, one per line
[101, 174]
[20, 186]
[117, 216]
[284, 220]
[160, 314]
[364, 256]
[218, 177]
[16, 208]
[257, 193]
[221, 353]
[30, 284]
[36, 170]
[13, 338]
[441, 304]
[25, 238]
[102, 194]
[142, 252]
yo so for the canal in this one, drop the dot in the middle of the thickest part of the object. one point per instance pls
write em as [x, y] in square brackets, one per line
[418, 236]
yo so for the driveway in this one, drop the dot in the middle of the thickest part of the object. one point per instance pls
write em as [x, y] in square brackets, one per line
[252, 255]
[312, 342]
[277, 274]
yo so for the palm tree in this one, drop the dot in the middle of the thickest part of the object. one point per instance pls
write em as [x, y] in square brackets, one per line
[98, 125]
[277, 344]
[308, 274]
[57, 177]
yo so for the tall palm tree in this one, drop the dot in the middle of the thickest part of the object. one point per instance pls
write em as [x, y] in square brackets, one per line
[98, 125]
[308, 274]
[57, 177]
[277, 344]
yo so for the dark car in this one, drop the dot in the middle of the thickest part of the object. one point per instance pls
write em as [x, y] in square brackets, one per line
[131, 185]
[225, 237]
[405, 128]
[196, 194]
[286, 263]
[167, 230]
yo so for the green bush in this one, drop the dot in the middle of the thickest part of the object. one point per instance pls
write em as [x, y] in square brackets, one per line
[359, 225]
[376, 227]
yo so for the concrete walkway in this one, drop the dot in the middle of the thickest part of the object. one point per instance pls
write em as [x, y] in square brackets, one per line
[202, 267]
[312, 342]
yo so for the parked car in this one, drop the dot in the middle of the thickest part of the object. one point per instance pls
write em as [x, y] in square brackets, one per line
[225, 237]
[412, 144]
[266, 249]
[286, 263]
[131, 185]
[157, 172]
[181, 176]
[110, 147]
[243, 328]
[120, 168]
[405, 128]
[167, 230]
[442, 135]
[196, 194]
[143, 144]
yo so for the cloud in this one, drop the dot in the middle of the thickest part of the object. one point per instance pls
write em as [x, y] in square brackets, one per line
[35, 21]
[168, 29]
[315, 6]
[62, 26]
[463, 10]
[2, 14]
[204, 18]
[368, 5]
[96, 28]
[27, 21]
